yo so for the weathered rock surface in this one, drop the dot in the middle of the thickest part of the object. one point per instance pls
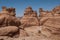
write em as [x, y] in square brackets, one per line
[33, 30]
[50, 26]
[7, 20]
[45, 13]
[32, 27]
[29, 12]
[9, 11]
[9, 30]
[29, 21]
[29, 18]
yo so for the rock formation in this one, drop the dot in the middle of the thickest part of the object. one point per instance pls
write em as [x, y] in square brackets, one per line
[7, 20]
[45, 13]
[46, 26]
[30, 13]
[56, 11]
[8, 30]
[9, 24]
[9, 11]
[29, 18]
[50, 25]
[4, 10]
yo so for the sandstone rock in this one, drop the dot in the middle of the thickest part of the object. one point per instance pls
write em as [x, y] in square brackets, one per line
[13, 21]
[29, 18]
[28, 9]
[9, 23]
[7, 20]
[45, 13]
[43, 20]
[9, 11]
[44, 27]
[4, 10]
[29, 12]
[45, 31]
[53, 22]
[29, 21]
[49, 20]
[51, 26]
[56, 11]
[9, 30]
[23, 33]
[33, 30]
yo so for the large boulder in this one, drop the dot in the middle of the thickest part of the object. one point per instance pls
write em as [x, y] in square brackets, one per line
[8, 30]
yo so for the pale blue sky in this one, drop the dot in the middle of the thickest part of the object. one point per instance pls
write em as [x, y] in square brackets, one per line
[20, 5]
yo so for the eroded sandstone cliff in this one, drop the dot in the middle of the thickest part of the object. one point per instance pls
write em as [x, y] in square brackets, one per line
[46, 26]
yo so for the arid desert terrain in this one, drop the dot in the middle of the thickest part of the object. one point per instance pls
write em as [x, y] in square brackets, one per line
[31, 26]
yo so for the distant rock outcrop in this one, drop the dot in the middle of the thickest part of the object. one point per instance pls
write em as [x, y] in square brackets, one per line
[30, 18]
[45, 13]
[56, 11]
[29, 12]
[9, 11]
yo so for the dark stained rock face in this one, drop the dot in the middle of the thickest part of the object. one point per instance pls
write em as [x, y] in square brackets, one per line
[8, 20]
